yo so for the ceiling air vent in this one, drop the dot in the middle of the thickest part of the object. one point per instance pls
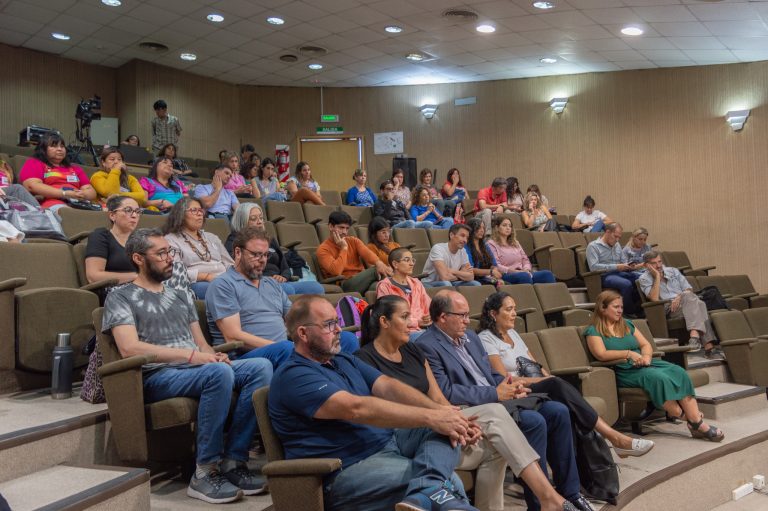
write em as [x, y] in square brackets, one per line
[289, 58]
[460, 15]
[313, 51]
[153, 47]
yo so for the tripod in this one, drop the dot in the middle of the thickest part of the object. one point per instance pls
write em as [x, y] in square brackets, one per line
[83, 134]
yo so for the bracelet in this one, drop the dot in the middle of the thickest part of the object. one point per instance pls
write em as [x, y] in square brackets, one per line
[63, 193]
[191, 355]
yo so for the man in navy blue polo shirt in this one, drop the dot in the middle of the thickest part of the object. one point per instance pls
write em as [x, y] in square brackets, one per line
[327, 404]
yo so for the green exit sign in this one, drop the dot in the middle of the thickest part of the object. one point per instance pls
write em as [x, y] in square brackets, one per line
[329, 130]
[329, 118]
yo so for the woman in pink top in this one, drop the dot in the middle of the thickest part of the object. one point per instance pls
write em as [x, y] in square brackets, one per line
[237, 183]
[50, 174]
[402, 284]
[510, 256]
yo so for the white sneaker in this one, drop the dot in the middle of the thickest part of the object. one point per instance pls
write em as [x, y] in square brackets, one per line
[640, 446]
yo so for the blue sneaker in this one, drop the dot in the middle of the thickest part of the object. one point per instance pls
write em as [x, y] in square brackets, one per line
[438, 498]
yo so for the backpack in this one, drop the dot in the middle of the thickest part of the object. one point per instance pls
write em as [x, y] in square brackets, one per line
[713, 299]
[598, 473]
[349, 310]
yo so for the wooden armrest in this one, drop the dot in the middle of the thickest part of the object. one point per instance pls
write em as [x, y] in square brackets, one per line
[100, 284]
[332, 280]
[13, 283]
[704, 268]
[126, 364]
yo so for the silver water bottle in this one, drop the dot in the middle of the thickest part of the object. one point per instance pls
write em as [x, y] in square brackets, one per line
[63, 365]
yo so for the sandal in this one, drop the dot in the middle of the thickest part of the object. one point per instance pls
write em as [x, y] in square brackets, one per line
[713, 434]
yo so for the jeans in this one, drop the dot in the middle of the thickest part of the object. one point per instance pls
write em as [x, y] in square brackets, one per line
[306, 287]
[598, 226]
[413, 460]
[624, 283]
[523, 277]
[278, 352]
[548, 430]
[213, 385]
[226, 216]
[200, 288]
[445, 223]
[277, 196]
[454, 283]
[411, 224]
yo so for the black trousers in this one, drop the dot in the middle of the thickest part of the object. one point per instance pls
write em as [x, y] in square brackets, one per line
[560, 390]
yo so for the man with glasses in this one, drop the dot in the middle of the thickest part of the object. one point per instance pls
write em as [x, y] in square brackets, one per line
[461, 368]
[393, 210]
[326, 404]
[149, 318]
[243, 306]
[218, 201]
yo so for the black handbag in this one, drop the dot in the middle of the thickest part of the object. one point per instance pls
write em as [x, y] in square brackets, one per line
[83, 204]
[529, 368]
[712, 298]
[598, 473]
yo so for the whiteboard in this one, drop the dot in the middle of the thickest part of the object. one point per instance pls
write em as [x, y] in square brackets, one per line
[388, 143]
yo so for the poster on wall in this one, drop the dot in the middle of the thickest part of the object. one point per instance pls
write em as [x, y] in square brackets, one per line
[388, 143]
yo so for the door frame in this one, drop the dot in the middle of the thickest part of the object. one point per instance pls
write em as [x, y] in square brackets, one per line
[330, 138]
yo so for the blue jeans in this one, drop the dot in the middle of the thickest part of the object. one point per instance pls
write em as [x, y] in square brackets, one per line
[277, 196]
[548, 430]
[624, 283]
[412, 461]
[226, 216]
[213, 385]
[278, 352]
[454, 283]
[200, 288]
[306, 287]
[445, 223]
[523, 277]
[411, 224]
[598, 226]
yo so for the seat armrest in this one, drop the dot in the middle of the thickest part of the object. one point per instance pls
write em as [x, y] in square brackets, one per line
[126, 364]
[303, 466]
[659, 354]
[573, 247]
[99, 284]
[10, 284]
[560, 308]
[292, 245]
[410, 246]
[276, 219]
[525, 311]
[590, 306]
[738, 342]
[704, 268]
[611, 363]
[747, 295]
[76, 238]
[228, 346]
[316, 221]
[593, 272]
[656, 303]
[332, 280]
[542, 248]
[571, 370]
[421, 276]
[675, 349]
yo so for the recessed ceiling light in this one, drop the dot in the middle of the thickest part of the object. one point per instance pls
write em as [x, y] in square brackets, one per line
[112, 3]
[60, 36]
[216, 18]
[548, 60]
[486, 29]
[416, 57]
[188, 56]
[393, 29]
[632, 31]
[274, 20]
[544, 5]
[315, 67]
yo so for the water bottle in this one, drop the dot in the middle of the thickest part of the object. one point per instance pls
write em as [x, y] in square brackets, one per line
[63, 365]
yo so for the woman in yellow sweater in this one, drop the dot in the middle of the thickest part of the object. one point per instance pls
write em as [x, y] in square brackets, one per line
[114, 178]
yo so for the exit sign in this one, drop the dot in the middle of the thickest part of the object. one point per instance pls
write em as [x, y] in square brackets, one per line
[329, 130]
[329, 118]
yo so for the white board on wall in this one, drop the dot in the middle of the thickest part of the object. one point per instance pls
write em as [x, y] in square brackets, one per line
[388, 143]
[104, 131]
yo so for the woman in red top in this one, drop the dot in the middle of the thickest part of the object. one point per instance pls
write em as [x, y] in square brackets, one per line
[50, 174]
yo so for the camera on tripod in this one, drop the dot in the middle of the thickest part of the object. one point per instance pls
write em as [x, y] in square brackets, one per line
[88, 110]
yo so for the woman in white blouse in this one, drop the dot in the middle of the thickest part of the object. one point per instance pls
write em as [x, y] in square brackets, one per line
[505, 348]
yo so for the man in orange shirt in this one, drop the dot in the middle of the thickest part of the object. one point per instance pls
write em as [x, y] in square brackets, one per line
[342, 254]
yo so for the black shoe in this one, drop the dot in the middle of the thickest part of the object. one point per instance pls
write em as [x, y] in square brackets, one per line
[581, 503]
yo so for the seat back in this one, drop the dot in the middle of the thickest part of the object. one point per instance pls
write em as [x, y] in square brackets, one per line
[43, 264]
[757, 319]
[626, 235]
[78, 252]
[740, 284]
[75, 221]
[563, 347]
[284, 212]
[360, 215]
[152, 221]
[304, 234]
[270, 228]
[675, 258]
[561, 219]
[525, 297]
[693, 281]
[525, 238]
[362, 233]
[323, 232]
[416, 239]
[437, 236]
[105, 343]
[202, 319]
[272, 445]
[531, 340]
[592, 236]
[219, 227]
[331, 197]
[420, 257]
[476, 296]
[642, 326]
[553, 296]
[572, 239]
[719, 281]
[731, 325]
[314, 213]
[546, 238]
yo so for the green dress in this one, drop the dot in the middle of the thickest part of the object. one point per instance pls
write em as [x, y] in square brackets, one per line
[661, 380]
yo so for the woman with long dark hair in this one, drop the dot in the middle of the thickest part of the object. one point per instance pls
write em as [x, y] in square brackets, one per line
[510, 258]
[114, 179]
[163, 188]
[515, 197]
[302, 187]
[180, 167]
[482, 261]
[380, 238]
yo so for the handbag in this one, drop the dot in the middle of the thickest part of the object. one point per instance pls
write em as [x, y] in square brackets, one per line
[83, 204]
[528, 368]
[598, 473]
[92, 390]
[33, 222]
[712, 298]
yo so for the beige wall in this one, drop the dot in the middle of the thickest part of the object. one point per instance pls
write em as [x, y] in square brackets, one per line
[651, 146]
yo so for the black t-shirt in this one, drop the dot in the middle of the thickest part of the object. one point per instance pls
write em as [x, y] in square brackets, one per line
[101, 243]
[410, 371]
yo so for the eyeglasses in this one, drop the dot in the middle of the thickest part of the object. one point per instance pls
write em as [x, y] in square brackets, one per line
[462, 315]
[132, 211]
[329, 326]
[256, 255]
[259, 218]
[407, 260]
[196, 211]
[164, 254]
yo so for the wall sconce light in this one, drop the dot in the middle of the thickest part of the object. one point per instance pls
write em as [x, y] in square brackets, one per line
[558, 104]
[737, 118]
[428, 111]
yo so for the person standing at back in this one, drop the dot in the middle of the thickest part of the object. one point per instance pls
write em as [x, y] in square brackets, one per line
[166, 128]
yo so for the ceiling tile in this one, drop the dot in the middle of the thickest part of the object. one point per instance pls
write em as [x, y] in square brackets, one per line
[589, 32]
[710, 56]
[48, 45]
[362, 67]
[134, 26]
[737, 28]
[240, 57]
[525, 23]
[500, 9]
[493, 54]
[387, 61]
[697, 43]
[72, 26]
[191, 27]
[641, 3]
[636, 64]
[288, 40]
[623, 55]
[594, 4]
[364, 16]
[58, 5]
[228, 38]
[586, 56]
[566, 19]
[612, 16]
[250, 28]
[113, 61]
[396, 8]
[96, 13]
[661, 13]
[301, 11]
[84, 55]
[337, 59]
[649, 43]
[29, 12]
[681, 29]
[724, 12]
[12, 38]
[177, 6]
[363, 52]
[105, 48]
[171, 38]
[545, 36]
[674, 63]
[20, 25]
[116, 36]
[363, 35]
[613, 44]
[600, 67]
[260, 48]
[751, 55]
[296, 73]
[334, 24]
[463, 59]
[243, 8]
[334, 42]
[664, 54]
[745, 43]
[154, 15]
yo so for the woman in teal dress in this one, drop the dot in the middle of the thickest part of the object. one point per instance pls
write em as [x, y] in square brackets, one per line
[612, 338]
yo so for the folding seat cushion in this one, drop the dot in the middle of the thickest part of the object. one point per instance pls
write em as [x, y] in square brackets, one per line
[758, 321]
[741, 286]
[314, 213]
[551, 255]
[331, 197]
[415, 239]
[746, 355]
[360, 215]
[284, 212]
[77, 221]
[557, 305]
[476, 296]
[297, 236]
[527, 305]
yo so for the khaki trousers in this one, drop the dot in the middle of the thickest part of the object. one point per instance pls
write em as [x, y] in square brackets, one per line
[694, 311]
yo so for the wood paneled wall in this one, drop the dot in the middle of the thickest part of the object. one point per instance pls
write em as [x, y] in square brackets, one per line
[651, 146]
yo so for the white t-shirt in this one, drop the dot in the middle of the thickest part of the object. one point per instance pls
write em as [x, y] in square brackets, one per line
[441, 252]
[584, 218]
[8, 231]
[495, 346]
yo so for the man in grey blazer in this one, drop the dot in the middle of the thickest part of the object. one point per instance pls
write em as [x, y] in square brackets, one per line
[460, 366]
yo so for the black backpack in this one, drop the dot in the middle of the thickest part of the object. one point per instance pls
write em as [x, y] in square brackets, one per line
[598, 474]
[713, 299]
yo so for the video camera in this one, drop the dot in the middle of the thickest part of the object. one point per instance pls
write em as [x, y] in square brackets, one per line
[89, 110]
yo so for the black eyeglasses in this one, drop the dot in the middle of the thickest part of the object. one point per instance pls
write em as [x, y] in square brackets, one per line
[329, 326]
[132, 211]
[462, 315]
[256, 255]
[164, 254]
